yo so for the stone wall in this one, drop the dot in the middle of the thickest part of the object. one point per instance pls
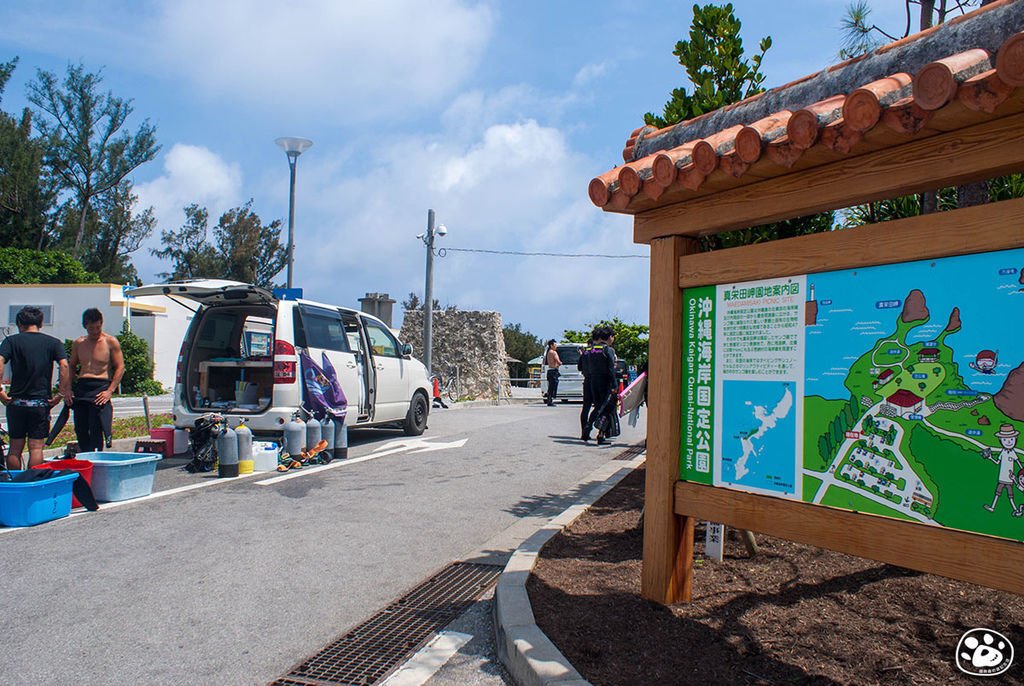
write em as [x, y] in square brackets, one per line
[471, 341]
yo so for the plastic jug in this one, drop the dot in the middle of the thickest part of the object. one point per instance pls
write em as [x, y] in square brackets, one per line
[181, 444]
[327, 434]
[340, 440]
[264, 456]
[227, 453]
[294, 436]
[312, 432]
[244, 436]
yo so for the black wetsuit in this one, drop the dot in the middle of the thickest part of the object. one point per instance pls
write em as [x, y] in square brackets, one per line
[93, 423]
[597, 363]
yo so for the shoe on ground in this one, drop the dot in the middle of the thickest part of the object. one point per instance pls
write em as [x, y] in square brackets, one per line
[585, 437]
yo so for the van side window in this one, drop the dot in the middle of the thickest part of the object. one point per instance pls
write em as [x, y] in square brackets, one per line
[381, 340]
[351, 331]
[324, 330]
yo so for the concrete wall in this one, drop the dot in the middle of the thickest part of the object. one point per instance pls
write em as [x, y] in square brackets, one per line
[473, 341]
[158, 320]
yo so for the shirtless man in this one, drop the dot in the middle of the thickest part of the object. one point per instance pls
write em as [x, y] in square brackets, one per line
[98, 365]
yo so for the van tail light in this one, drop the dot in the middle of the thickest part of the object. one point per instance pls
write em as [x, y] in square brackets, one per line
[284, 370]
[180, 373]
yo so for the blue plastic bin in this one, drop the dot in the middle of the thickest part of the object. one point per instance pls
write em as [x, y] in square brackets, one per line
[35, 502]
[121, 476]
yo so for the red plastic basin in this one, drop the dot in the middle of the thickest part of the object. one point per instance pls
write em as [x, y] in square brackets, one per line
[83, 467]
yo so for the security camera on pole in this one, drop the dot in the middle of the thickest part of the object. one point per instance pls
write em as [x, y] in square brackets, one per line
[428, 290]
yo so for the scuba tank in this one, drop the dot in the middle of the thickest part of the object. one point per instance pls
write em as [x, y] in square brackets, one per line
[245, 460]
[327, 434]
[340, 440]
[227, 453]
[312, 433]
[294, 436]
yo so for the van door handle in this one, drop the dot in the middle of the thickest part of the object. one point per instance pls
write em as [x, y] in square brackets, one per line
[380, 367]
[351, 365]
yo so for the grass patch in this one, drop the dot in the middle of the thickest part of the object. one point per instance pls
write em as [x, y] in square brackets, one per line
[124, 427]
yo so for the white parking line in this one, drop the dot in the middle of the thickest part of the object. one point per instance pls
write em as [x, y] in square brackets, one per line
[428, 660]
[152, 496]
[323, 468]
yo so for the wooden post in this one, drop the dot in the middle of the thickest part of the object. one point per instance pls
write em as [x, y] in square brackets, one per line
[668, 538]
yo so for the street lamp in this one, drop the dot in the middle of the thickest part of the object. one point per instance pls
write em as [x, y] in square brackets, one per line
[428, 290]
[293, 147]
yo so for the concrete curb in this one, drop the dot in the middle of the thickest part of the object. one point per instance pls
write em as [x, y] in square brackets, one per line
[529, 656]
[120, 445]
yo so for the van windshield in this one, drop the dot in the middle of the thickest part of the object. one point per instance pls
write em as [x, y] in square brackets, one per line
[569, 354]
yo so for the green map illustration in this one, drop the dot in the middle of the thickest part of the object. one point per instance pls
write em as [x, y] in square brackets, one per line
[911, 388]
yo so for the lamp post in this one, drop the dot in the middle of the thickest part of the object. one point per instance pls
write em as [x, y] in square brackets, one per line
[293, 147]
[428, 289]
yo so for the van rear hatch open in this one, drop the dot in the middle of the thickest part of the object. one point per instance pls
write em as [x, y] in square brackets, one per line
[209, 292]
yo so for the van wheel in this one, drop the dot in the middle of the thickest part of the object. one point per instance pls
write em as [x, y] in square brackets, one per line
[416, 418]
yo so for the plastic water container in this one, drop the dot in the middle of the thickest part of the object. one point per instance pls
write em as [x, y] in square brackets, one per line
[35, 502]
[264, 456]
[83, 467]
[227, 453]
[294, 436]
[312, 433]
[327, 435]
[340, 441]
[181, 442]
[121, 476]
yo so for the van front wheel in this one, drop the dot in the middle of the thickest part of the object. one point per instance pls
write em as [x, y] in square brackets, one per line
[416, 418]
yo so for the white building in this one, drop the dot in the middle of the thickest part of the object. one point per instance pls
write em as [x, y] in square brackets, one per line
[158, 320]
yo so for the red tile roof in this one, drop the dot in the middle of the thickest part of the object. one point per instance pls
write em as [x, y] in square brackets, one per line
[969, 67]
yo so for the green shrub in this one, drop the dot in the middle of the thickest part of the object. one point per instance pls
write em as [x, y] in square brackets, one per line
[23, 265]
[138, 367]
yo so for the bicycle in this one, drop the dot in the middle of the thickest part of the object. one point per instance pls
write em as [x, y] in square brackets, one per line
[448, 386]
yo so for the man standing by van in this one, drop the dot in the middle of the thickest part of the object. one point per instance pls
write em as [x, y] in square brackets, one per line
[553, 362]
[31, 355]
[98, 364]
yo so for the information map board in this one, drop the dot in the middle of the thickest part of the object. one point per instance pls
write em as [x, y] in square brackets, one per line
[895, 390]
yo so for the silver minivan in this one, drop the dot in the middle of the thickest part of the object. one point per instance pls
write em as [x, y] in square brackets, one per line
[570, 380]
[239, 358]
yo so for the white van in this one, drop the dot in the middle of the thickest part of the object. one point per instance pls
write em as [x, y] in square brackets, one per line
[570, 380]
[240, 358]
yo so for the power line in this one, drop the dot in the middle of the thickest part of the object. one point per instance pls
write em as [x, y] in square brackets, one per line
[441, 252]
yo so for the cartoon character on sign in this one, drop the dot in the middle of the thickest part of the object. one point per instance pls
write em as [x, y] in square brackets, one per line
[1006, 460]
[985, 362]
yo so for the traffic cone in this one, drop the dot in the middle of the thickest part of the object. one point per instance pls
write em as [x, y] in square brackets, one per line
[437, 388]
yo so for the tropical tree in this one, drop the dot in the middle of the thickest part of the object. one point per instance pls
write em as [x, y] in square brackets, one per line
[26, 265]
[715, 65]
[86, 149]
[630, 339]
[522, 345]
[26, 194]
[191, 255]
[721, 74]
[244, 248]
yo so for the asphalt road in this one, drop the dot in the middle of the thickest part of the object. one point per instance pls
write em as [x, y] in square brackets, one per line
[234, 581]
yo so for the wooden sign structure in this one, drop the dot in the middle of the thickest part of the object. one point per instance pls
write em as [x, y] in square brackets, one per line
[941, 108]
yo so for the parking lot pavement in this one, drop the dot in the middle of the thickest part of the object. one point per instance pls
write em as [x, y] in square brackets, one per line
[233, 581]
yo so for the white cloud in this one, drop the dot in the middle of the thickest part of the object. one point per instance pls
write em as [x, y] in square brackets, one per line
[192, 174]
[589, 73]
[517, 187]
[353, 60]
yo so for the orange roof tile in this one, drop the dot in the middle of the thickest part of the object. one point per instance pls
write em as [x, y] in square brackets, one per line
[974, 63]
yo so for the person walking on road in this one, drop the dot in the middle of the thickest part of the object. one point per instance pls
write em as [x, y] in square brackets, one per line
[98, 365]
[31, 355]
[597, 364]
[553, 362]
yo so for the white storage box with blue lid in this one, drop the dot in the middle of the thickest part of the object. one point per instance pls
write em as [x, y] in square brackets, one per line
[121, 476]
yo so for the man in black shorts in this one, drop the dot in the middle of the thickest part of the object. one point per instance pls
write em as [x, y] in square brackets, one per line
[31, 355]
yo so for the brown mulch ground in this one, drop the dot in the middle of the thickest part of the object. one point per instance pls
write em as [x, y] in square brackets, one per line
[793, 614]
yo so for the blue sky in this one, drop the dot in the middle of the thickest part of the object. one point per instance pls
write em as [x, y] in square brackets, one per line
[494, 114]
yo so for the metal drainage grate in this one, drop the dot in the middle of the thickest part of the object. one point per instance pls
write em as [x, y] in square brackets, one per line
[632, 451]
[370, 651]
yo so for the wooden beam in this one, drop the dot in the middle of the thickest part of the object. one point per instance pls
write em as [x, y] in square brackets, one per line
[974, 153]
[668, 539]
[982, 228]
[984, 560]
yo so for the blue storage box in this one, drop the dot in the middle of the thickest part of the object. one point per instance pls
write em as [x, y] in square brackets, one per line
[121, 476]
[35, 502]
